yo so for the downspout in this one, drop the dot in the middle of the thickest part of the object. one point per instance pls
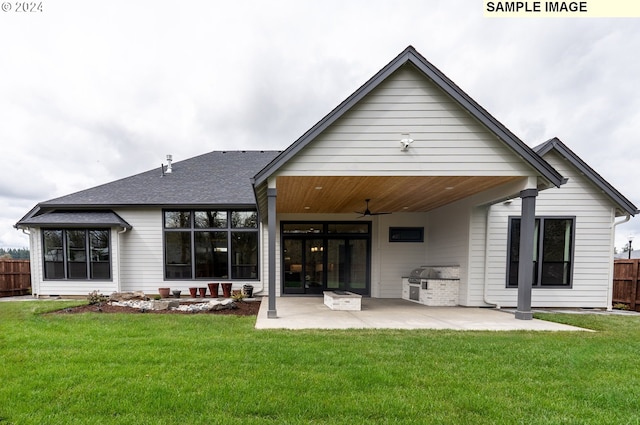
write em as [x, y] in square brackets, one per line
[486, 259]
[610, 286]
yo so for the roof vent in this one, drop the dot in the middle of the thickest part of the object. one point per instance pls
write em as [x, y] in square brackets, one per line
[169, 159]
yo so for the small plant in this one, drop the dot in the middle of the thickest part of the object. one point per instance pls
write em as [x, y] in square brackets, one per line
[237, 296]
[620, 306]
[96, 297]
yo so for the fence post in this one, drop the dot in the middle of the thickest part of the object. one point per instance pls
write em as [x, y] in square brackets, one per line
[634, 285]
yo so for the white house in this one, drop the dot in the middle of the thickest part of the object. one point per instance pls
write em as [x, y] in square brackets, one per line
[458, 189]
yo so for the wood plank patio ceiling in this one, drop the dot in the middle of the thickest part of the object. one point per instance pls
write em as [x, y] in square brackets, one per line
[346, 194]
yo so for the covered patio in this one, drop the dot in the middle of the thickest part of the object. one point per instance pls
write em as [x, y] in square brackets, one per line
[408, 151]
[382, 313]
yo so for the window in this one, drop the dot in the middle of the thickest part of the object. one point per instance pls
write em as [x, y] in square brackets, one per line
[406, 234]
[552, 252]
[211, 244]
[81, 254]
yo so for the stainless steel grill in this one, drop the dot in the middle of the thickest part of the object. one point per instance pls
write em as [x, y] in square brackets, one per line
[421, 274]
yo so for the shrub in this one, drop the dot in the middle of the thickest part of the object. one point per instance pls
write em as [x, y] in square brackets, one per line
[237, 295]
[95, 297]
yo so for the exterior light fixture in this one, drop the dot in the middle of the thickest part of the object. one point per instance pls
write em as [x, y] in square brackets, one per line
[405, 142]
[630, 240]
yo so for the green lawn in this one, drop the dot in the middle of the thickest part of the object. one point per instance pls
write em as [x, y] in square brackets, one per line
[204, 369]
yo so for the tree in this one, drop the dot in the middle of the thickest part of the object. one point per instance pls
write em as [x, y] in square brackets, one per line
[15, 253]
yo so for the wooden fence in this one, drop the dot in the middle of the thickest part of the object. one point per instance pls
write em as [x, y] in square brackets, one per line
[15, 278]
[625, 283]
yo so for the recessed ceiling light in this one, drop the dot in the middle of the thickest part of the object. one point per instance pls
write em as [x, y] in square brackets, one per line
[448, 188]
[318, 187]
[307, 208]
[405, 208]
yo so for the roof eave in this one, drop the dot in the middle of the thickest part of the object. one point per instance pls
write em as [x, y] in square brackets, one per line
[557, 145]
[410, 55]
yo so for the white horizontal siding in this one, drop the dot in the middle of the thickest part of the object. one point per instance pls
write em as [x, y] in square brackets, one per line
[365, 140]
[262, 288]
[141, 265]
[35, 260]
[475, 289]
[76, 287]
[594, 215]
[448, 237]
[393, 260]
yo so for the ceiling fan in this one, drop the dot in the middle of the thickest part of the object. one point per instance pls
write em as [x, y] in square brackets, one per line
[367, 211]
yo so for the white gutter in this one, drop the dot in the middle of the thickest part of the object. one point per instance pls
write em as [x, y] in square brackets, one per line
[613, 237]
[486, 258]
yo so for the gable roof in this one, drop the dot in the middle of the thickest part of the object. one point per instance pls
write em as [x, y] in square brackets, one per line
[411, 56]
[555, 144]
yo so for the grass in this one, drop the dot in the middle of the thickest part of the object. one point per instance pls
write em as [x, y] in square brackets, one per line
[203, 369]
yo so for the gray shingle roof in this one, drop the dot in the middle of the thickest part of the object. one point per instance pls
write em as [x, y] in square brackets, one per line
[214, 178]
[77, 218]
[555, 144]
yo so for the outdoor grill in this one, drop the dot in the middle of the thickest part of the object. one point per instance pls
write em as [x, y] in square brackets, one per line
[419, 279]
[432, 285]
[421, 274]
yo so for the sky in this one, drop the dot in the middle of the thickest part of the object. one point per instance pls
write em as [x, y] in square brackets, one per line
[94, 91]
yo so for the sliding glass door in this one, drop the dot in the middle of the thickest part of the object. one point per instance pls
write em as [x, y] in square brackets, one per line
[326, 256]
[347, 265]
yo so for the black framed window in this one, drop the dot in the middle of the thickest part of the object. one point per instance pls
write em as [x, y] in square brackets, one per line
[552, 253]
[81, 254]
[211, 244]
[406, 234]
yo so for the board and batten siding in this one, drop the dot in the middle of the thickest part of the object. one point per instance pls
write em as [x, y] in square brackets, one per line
[593, 251]
[365, 140]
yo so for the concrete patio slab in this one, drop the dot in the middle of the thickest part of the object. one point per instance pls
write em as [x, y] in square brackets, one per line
[377, 313]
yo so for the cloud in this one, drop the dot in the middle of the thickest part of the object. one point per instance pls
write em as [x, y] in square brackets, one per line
[93, 92]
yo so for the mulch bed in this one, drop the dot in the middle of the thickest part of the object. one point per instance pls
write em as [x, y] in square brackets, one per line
[243, 309]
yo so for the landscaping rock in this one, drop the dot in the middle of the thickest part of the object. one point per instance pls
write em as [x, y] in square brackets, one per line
[127, 296]
[159, 305]
[164, 304]
[211, 305]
